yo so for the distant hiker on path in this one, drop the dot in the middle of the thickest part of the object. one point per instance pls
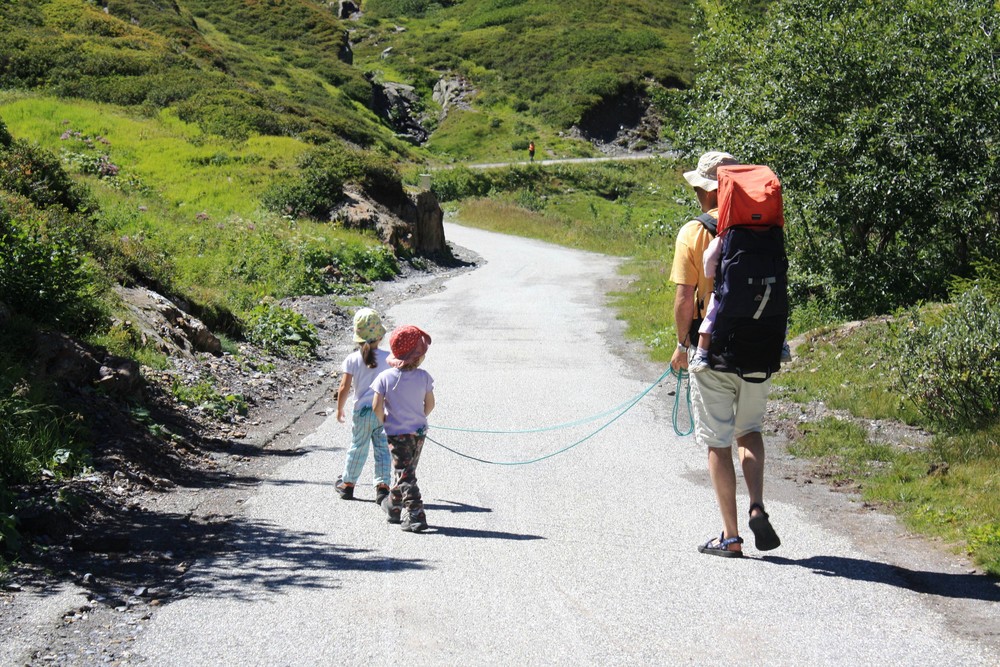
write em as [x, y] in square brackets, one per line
[531, 151]
[404, 396]
[360, 368]
[726, 407]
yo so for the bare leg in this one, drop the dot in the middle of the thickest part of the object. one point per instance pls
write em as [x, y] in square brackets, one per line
[723, 474]
[751, 449]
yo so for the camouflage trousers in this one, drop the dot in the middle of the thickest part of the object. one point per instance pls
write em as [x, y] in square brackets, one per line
[405, 450]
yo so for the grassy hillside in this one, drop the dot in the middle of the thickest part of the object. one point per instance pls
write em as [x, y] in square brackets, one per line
[538, 66]
[557, 59]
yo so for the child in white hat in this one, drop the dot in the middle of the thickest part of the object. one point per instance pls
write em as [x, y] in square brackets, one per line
[360, 368]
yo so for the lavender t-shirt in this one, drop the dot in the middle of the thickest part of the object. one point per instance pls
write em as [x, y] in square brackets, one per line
[404, 393]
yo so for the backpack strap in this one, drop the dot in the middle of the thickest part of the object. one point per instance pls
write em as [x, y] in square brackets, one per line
[709, 222]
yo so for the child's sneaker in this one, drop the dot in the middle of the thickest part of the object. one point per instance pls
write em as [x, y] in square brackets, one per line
[381, 493]
[391, 512]
[786, 353]
[345, 489]
[699, 362]
[415, 523]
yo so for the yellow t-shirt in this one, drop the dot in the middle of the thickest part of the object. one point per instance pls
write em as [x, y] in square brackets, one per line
[688, 267]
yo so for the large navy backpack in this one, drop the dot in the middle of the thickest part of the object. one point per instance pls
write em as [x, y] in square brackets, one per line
[751, 282]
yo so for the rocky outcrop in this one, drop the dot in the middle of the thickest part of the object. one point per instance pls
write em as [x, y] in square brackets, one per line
[400, 106]
[625, 121]
[161, 322]
[415, 226]
[452, 92]
[347, 9]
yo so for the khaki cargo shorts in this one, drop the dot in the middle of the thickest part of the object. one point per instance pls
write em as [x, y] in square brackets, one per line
[726, 407]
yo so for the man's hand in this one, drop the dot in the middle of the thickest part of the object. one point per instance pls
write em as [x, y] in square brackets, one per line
[680, 360]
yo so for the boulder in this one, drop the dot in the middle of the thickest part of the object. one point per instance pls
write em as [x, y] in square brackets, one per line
[173, 331]
[415, 226]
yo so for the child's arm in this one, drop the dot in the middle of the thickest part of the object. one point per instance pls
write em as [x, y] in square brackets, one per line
[345, 388]
[428, 402]
[378, 407]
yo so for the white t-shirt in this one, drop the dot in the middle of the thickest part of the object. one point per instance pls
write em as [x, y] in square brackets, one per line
[363, 376]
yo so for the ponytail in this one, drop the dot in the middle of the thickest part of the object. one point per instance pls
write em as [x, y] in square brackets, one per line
[368, 354]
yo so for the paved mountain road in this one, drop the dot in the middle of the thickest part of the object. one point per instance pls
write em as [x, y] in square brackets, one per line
[587, 558]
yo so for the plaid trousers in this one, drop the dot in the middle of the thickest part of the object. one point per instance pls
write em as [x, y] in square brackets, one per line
[367, 431]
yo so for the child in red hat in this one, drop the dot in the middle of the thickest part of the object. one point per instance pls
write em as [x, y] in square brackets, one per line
[404, 396]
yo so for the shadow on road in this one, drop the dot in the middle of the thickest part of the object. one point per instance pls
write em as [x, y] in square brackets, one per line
[169, 555]
[457, 508]
[250, 558]
[451, 531]
[964, 586]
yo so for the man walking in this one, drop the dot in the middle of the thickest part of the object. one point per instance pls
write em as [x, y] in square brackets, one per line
[726, 408]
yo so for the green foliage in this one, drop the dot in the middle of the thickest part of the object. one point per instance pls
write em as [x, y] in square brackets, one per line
[393, 8]
[30, 171]
[281, 331]
[319, 184]
[204, 396]
[44, 272]
[881, 119]
[949, 361]
[34, 434]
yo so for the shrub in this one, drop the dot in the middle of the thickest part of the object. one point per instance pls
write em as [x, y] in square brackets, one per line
[37, 174]
[281, 331]
[312, 194]
[44, 276]
[319, 185]
[396, 8]
[204, 396]
[949, 361]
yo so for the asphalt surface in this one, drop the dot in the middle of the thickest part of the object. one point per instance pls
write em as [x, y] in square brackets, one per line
[585, 558]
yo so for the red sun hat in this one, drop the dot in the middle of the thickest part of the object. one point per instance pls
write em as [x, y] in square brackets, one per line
[407, 344]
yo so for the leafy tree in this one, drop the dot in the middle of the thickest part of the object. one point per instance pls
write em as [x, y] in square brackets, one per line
[883, 121]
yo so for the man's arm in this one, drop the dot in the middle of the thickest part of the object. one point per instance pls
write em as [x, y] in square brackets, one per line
[683, 316]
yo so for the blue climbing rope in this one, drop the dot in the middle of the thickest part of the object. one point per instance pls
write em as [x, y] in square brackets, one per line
[683, 387]
[620, 409]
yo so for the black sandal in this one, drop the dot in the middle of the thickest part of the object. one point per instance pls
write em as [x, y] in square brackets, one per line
[719, 546]
[764, 536]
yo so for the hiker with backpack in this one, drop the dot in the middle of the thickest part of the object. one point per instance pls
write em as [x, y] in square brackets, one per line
[729, 397]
